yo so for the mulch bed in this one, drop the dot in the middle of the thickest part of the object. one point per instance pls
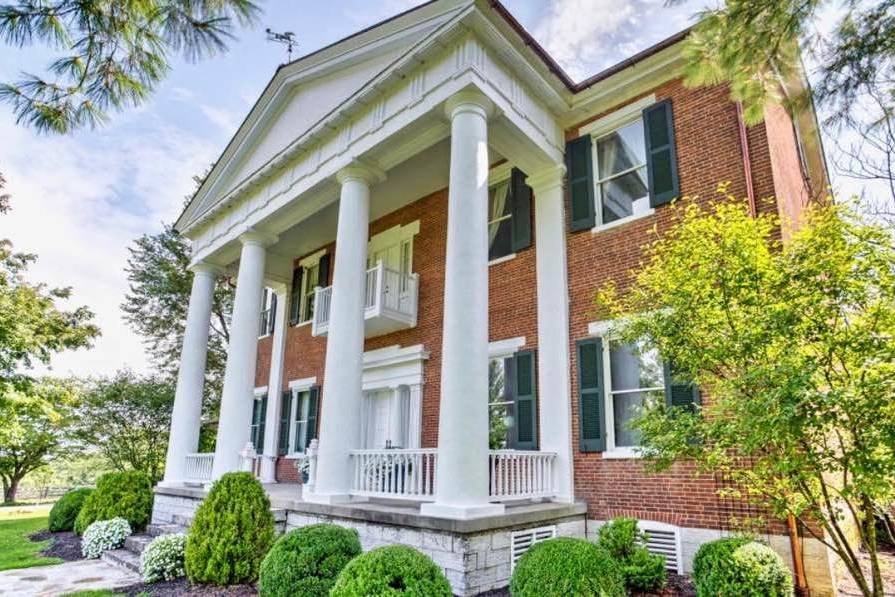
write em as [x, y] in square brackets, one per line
[181, 586]
[678, 586]
[66, 545]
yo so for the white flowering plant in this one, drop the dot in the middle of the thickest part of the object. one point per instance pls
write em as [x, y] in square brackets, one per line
[103, 535]
[163, 558]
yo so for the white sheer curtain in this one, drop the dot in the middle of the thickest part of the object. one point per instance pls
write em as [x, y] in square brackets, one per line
[498, 204]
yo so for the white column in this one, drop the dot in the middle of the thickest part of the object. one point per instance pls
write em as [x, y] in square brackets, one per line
[275, 387]
[242, 354]
[342, 391]
[462, 470]
[554, 400]
[186, 417]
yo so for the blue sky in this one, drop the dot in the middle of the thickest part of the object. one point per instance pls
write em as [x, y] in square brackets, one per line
[79, 201]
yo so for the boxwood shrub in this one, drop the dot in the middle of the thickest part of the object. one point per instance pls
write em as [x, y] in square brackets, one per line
[231, 533]
[126, 495]
[626, 543]
[391, 571]
[104, 535]
[67, 508]
[566, 566]
[741, 567]
[307, 561]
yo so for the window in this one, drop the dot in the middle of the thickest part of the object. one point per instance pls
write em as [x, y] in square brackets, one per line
[302, 407]
[621, 175]
[259, 413]
[637, 379]
[311, 281]
[500, 216]
[298, 418]
[312, 272]
[501, 403]
[268, 312]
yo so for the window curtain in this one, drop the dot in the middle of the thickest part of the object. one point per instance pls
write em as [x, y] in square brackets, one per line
[498, 204]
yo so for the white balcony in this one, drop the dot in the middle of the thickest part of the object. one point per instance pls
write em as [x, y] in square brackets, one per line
[390, 302]
[410, 474]
[198, 467]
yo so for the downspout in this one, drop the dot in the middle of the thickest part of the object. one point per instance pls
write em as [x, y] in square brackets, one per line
[747, 161]
[798, 564]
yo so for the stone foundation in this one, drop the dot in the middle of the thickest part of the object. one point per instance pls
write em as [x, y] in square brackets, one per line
[476, 555]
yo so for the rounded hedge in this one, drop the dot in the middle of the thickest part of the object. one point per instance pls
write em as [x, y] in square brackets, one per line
[104, 535]
[567, 566]
[163, 558]
[231, 533]
[67, 508]
[307, 561]
[126, 495]
[392, 570]
[742, 567]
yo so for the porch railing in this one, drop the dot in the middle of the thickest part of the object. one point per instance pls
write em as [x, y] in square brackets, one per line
[198, 466]
[410, 474]
[387, 293]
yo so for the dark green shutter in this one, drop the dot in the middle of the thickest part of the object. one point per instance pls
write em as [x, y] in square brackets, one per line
[520, 203]
[526, 401]
[591, 421]
[285, 409]
[581, 182]
[295, 304]
[661, 156]
[313, 409]
[323, 271]
[680, 392]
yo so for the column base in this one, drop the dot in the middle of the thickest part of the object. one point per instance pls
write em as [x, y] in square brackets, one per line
[325, 498]
[461, 512]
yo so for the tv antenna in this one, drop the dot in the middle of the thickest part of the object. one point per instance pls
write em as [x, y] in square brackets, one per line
[286, 38]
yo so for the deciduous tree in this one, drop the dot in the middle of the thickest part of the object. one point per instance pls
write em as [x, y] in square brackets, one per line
[793, 344]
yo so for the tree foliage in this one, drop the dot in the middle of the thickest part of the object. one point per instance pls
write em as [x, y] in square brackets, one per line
[753, 44]
[126, 419]
[113, 54]
[32, 326]
[793, 342]
[157, 302]
[35, 421]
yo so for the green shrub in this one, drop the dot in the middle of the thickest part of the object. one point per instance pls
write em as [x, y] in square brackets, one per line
[66, 509]
[392, 570]
[163, 558]
[626, 543]
[231, 533]
[566, 566]
[126, 495]
[104, 535]
[741, 567]
[307, 561]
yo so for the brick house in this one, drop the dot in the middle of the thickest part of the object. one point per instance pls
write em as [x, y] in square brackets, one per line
[421, 213]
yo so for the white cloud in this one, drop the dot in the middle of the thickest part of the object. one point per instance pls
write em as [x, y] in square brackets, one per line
[78, 202]
[585, 36]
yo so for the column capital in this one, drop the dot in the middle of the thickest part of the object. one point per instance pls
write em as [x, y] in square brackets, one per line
[469, 100]
[547, 178]
[256, 237]
[203, 267]
[360, 171]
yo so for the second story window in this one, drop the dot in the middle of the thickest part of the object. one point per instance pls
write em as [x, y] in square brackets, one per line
[621, 181]
[500, 215]
[312, 271]
[509, 213]
[268, 312]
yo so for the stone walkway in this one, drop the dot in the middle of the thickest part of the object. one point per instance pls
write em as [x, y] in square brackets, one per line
[64, 578]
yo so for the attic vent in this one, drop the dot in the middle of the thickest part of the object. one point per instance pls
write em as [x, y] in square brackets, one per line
[520, 541]
[664, 540]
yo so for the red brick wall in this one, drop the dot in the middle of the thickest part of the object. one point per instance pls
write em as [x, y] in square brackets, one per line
[708, 151]
[512, 312]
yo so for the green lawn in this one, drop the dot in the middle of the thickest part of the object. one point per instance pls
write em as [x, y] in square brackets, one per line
[16, 550]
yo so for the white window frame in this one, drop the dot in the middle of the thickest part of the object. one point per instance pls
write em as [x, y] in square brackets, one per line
[497, 175]
[266, 304]
[500, 350]
[604, 330]
[306, 264]
[601, 128]
[297, 387]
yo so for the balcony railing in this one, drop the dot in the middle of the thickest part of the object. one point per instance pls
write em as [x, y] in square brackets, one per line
[198, 467]
[390, 302]
[410, 474]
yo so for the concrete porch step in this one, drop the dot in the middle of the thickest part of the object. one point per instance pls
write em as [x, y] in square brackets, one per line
[122, 558]
[137, 543]
[159, 529]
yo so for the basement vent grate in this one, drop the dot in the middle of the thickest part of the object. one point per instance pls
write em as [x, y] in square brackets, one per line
[521, 541]
[664, 541]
